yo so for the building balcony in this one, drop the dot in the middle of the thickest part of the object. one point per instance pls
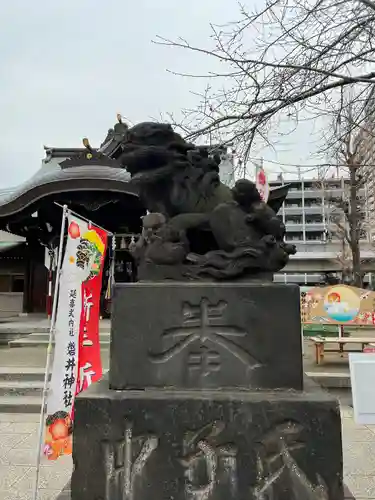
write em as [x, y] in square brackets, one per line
[333, 193]
[313, 210]
[294, 220]
[326, 252]
[313, 193]
[299, 278]
[315, 226]
[318, 246]
[309, 254]
[317, 209]
[309, 194]
[292, 227]
[294, 195]
[307, 279]
[293, 210]
[330, 208]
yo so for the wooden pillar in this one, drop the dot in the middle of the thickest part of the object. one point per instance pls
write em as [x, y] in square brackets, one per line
[40, 279]
[35, 286]
[27, 298]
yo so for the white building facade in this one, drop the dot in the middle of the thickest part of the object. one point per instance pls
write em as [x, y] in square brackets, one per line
[308, 214]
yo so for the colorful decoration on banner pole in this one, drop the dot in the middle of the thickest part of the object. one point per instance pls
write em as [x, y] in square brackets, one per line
[78, 362]
[338, 305]
[261, 183]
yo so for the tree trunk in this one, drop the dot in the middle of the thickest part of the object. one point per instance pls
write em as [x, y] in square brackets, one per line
[354, 229]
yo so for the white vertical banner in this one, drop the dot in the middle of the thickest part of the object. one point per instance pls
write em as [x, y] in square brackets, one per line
[75, 330]
[63, 385]
[49, 351]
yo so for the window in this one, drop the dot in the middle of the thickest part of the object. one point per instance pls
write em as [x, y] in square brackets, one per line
[294, 236]
[295, 187]
[290, 204]
[316, 219]
[335, 199]
[314, 236]
[11, 283]
[293, 219]
[313, 202]
[17, 284]
[5, 283]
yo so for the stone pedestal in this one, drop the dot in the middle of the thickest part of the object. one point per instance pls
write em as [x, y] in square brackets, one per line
[222, 445]
[205, 401]
[206, 335]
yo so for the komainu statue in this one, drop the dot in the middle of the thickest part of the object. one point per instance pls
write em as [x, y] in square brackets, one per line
[197, 228]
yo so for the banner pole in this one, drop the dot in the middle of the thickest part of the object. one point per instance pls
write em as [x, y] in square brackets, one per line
[49, 351]
[50, 280]
[111, 275]
[113, 242]
[85, 219]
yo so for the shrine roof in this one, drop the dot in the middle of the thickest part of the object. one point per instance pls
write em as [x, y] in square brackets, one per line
[52, 178]
[7, 237]
[68, 169]
[52, 152]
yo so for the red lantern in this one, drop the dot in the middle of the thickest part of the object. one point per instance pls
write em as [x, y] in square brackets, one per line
[74, 231]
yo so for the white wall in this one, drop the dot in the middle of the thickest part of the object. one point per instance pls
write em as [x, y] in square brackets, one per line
[10, 304]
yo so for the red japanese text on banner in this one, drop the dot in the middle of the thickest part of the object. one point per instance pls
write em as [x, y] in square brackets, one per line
[90, 366]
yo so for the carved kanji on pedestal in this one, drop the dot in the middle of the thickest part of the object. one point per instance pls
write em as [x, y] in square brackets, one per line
[205, 325]
[124, 462]
[206, 456]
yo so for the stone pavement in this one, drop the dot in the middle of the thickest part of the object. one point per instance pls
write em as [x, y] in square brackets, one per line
[18, 442]
[359, 456]
[18, 436]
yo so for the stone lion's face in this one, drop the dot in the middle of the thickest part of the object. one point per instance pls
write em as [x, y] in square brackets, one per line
[151, 224]
[246, 191]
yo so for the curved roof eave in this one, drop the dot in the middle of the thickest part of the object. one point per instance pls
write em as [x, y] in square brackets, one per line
[48, 182]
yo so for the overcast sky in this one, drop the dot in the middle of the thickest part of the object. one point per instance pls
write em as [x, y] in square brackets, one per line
[67, 67]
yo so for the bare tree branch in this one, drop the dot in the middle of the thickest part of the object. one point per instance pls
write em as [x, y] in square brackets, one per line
[282, 58]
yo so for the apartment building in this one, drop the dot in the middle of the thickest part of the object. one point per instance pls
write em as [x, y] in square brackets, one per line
[309, 213]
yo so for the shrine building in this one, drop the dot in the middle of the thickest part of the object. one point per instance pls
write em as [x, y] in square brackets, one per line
[90, 182]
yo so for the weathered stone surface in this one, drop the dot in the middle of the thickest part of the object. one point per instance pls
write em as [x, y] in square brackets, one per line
[206, 335]
[66, 493]
[209, 231]
[206, 445]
